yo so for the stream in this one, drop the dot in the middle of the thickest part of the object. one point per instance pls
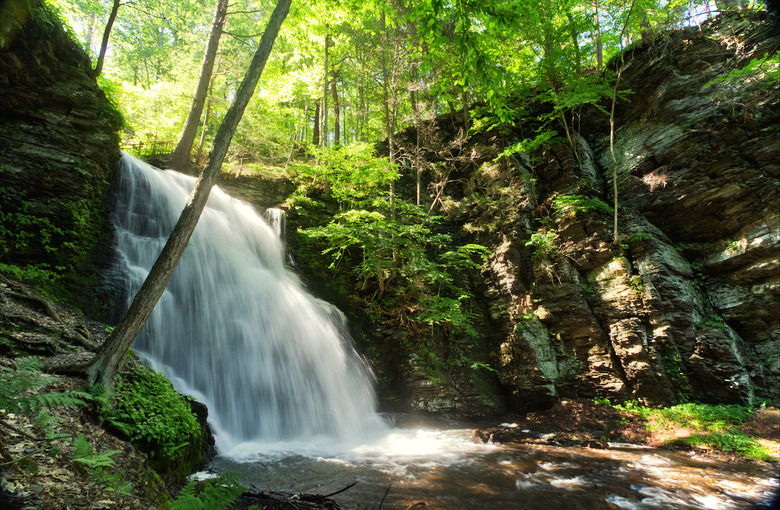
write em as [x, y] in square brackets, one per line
[292, 405]
[444, 469]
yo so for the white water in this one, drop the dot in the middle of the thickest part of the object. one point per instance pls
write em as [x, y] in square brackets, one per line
[234, 328]
[291, 404]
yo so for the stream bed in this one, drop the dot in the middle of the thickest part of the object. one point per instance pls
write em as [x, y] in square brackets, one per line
[445, 470]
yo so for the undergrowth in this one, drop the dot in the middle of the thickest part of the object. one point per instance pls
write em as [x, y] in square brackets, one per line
[220, 492]
[150, 412]
[715, 426]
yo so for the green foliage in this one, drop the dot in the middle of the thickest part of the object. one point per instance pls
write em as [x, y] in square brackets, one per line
[733, 442]
[714, 425]
[544, 242]
[402, 267]
[97, 464]
[587, 290]
[84, 453]
[707, 417]
[36, 274]
[636, 283]
[20, 388]
[714, 321]
[529, 145]
[21, 228]
[766, 68]
[672, 363]
[221, 492]
[149, 411]
[351, 174]
[625, 242]
[579, 203]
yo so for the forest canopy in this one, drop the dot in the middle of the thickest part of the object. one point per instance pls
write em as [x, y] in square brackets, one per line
[344, 71]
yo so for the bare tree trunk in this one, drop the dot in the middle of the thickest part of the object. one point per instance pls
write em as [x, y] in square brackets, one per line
[104, 45]
[575, 40]
[90, 31]
[417, 127]
[597, 34]
[315, 137]
[181, 154]
[207, 113]
[103, 369]
[465, 99]
[325, 97]
[615, 201]
[336, 114]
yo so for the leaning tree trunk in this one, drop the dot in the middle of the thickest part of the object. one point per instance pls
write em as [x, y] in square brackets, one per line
[103, 369]
[181, 154]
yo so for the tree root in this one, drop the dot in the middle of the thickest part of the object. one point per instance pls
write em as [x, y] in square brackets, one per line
[43, 303]
[74, 363]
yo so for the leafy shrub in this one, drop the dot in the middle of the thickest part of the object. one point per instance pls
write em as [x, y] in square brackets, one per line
[579, 203]
[148, 410]
[544, 242]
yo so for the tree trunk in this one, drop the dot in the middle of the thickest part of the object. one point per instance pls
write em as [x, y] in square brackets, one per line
[181, 154]
[315, 137]
[597, 34]
[465, 99]
[575, 40]
[206, 117]
[104, 368]
[325, 97]
[336, 114]
[104, 45]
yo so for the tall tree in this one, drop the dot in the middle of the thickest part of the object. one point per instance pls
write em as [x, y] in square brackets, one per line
[181, 154]
[104, 44]
[105, 365]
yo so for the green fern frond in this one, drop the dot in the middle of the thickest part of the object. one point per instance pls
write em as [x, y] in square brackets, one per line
[26, 377]
[219, 493]
[84, 453]
[82, 447]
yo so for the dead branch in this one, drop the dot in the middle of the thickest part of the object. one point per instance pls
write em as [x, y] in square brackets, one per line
[302, 501]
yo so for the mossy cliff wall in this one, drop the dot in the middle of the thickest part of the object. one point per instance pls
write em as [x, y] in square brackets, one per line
[687, 304]
[59, 144]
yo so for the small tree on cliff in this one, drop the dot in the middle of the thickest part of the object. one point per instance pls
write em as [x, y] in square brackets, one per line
[181, 154]
[104, 44]
[104, 367]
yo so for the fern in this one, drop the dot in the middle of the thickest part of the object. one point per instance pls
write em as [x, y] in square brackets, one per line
[84, 453]
[219, 493]
[26, 377]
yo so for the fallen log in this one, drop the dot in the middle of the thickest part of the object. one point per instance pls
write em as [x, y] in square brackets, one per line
[273, 500]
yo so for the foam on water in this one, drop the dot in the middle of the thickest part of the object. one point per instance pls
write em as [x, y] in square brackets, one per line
[234, 327]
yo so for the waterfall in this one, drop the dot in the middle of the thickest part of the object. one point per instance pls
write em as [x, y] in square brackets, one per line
[234, 327]
[277, 218]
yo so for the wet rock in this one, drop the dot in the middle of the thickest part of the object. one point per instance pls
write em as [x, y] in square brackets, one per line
[687, 303]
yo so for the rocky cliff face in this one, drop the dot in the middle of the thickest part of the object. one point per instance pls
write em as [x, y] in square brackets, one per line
[58, 147]
[686, 304]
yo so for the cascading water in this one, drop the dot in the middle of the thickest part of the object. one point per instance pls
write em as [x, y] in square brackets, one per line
[291, 404]
[234, 328]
